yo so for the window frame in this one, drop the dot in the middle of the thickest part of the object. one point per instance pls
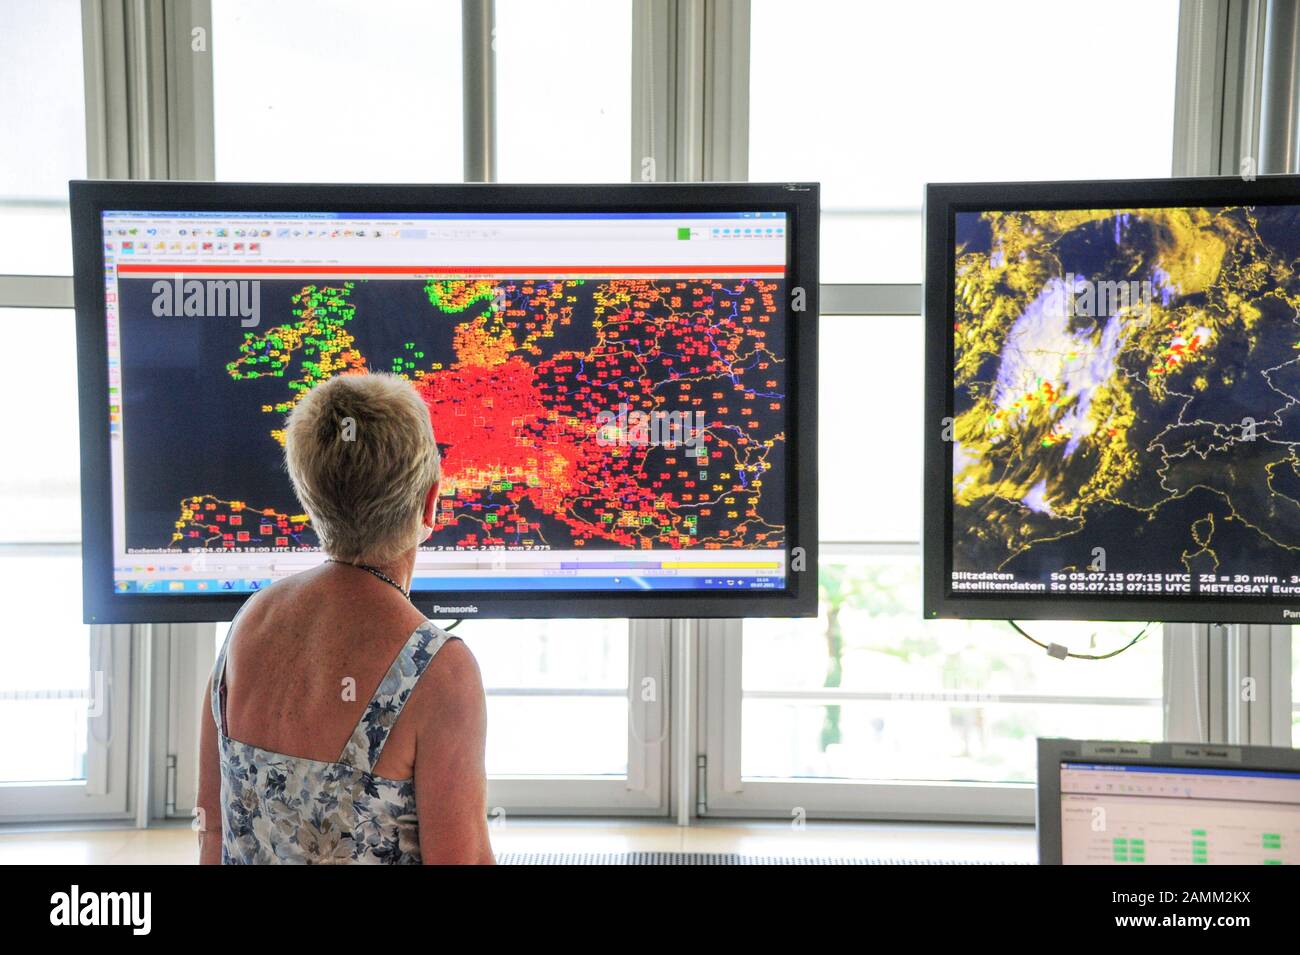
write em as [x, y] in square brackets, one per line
[1216, 98]
[109, 788]
[644, 790]
[149, 113]
[728, 793]
[184, 658]
[702, 132]
[106, 790]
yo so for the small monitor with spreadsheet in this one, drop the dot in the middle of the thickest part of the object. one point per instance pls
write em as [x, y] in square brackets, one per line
[1115, 803]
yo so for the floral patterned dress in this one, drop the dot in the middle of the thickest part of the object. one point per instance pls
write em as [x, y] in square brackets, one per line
[286, 809]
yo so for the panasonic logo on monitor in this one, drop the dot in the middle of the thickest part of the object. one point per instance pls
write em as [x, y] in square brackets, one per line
[1290, 614]
[471, 608]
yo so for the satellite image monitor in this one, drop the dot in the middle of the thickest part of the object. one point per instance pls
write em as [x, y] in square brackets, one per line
[1113, 400]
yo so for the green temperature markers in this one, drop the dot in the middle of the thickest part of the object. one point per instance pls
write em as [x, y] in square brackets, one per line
[317, 338]
[1271, 842]
[402, 365]
[456, 295]
[1200, 847]
[1128, 850]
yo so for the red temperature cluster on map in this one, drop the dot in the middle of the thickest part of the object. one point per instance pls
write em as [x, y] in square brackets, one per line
[536, 408]
[529, 433]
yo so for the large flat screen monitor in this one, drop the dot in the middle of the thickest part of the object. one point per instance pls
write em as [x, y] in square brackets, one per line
[1113, 400]
[621, 380]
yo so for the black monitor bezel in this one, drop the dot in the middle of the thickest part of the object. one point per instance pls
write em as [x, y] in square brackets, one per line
[1053, 752]
[800, 201]
[942, 202]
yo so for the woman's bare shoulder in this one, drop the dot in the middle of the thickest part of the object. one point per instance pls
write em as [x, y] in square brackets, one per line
[451, 691]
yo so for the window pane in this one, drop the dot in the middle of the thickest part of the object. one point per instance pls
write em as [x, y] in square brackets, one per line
[951, 90]
[45, 684]
[931, 700]
[535, 727]
[41, 500]
[564, 90]
[44, 140]
[557, 695]
[334, 90]
[869, 436]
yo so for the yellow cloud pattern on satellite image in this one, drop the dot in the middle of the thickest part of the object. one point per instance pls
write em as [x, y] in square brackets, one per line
[1112, 363]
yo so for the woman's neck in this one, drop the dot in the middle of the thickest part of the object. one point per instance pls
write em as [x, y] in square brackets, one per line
[400, 568]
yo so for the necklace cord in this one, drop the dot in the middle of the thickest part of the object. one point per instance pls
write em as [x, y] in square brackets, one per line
[374, 572]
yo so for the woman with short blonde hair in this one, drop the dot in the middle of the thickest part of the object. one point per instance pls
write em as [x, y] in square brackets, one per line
[336, 666]
[361, 455]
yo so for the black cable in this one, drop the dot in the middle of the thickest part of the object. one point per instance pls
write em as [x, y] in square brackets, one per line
[1083, 656]
[453, 625]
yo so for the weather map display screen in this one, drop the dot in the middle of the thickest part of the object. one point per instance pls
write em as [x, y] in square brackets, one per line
[1123, 415]
[609, 391]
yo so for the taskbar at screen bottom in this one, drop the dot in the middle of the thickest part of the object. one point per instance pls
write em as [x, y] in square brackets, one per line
[191, 587]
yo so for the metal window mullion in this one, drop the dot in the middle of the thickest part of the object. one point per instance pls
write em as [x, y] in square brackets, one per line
[648, 698]
[725, 115]
[1258, 695]
[1243, 87]
[690, 90]
[148, 82]
[721, 712]
[1280, 646]
[653, 90]
[1199, 86]
[190, 133]
[479, 89]
[1219, 87]
[1225, 665]
[101, 687]
[162, 722]
[148, 88]
[103, 33]
[107, 787]
[683, 723]
[184, 656]
[690, 114]
[1186, 678]
[142, 721]
[1215, 128]
[1235, 113]
[1249, 684]
[1279, 95]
